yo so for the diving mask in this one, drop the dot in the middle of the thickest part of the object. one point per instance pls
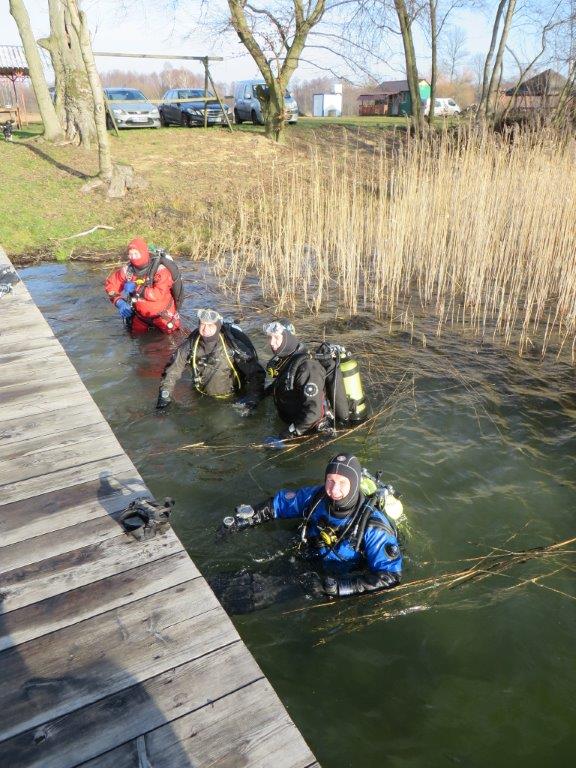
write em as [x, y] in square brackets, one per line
[209, 316]
[277, 327]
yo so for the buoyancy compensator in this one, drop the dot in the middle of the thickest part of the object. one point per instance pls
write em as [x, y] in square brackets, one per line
[160, 256]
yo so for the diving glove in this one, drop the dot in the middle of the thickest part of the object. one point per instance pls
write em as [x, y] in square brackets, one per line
[127, 289]
[163, 400]
[124, 308]
[246, 516]
[355, 585]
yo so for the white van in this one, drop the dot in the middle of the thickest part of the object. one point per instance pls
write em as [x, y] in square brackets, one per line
[247, 107]
[443, 107]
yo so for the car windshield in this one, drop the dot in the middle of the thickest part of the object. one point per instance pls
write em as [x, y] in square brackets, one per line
[192, 94]
[287, 94]
[125, 94]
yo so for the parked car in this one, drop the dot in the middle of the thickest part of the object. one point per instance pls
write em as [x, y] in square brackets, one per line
[443, 107]
[247, 105]
[131, 109]
[185, 106]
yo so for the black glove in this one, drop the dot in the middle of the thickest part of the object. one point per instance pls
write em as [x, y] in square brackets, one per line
[246, 516]
[355, 585]
[163, 399]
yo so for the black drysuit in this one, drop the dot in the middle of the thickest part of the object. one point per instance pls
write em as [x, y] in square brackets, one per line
[222, 366]
[298, 389]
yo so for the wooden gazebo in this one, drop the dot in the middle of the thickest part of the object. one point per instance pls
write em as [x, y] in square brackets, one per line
[14, 68]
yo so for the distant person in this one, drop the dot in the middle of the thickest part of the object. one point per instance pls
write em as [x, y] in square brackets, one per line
[350, 535]
[298, 383]
[223, 362]
[146, 291]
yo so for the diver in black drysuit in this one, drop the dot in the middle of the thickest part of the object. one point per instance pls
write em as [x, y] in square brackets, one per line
[298, 384]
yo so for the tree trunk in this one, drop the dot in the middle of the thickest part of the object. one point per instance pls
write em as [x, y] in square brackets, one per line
[72, 77]
[80, 26]
[275, 116]
[497, 70]
[52, 126]
[433, 6]
[411, 68]
[481, 113]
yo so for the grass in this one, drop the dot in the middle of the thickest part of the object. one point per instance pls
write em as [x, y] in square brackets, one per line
[468, 228]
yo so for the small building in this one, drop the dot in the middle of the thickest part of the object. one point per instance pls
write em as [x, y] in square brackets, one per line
[14, 70]
[372, 104]
[540, 92]
[392, 98]
[328, 104]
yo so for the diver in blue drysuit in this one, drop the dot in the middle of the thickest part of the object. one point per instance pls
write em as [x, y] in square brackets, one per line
[355, 543]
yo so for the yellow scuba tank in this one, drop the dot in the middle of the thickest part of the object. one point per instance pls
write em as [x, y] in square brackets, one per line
[353, 389]
[386, 500]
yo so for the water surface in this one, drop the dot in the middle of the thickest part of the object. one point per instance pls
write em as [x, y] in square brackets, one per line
[482, 446]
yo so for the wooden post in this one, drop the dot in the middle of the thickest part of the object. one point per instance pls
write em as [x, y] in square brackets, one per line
[219, 101]
[206, 78]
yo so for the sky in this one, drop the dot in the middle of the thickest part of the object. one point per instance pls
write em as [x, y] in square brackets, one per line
[149, 28]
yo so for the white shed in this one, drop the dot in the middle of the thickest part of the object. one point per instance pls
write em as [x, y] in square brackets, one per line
[328, 104]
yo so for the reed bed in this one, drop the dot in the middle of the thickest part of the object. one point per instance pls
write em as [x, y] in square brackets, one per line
[469, 228]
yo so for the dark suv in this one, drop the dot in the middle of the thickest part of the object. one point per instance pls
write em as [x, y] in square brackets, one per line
[185, 106]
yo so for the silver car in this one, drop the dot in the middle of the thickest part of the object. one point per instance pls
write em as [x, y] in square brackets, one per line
[131, 109]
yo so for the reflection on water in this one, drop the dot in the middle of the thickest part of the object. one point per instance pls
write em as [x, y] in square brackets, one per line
[478, 672]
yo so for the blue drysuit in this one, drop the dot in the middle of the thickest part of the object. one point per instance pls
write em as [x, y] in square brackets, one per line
[379, 551]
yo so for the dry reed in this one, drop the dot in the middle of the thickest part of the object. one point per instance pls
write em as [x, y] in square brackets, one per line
[474, 229]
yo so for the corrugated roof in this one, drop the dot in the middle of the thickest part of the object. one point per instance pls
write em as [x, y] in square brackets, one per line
[547, 83]
[13, 60]
[392, 87]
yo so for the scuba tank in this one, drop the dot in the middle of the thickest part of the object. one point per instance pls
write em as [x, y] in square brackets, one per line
[382, 496]
[343, 382]
[353, 388]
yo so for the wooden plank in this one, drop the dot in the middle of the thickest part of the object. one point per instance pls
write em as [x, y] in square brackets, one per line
[247, 729]
[36, 335]
[32, 397]
[47, 454]
[38, 349]
[64, 478]
[70, 570]
[51, 423]
[32, 550]
[82, 603]
[106, 724]
[57, 366]
[112, 489]
[78, 665]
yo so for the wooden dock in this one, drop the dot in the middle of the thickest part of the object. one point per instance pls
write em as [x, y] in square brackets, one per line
[113, 652]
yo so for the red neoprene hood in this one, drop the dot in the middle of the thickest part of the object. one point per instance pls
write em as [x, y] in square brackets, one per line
[138, 244]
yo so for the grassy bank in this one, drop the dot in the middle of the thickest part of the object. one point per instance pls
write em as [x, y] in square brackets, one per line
[471, 229]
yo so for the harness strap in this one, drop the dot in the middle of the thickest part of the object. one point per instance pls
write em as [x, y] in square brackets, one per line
[195, 367]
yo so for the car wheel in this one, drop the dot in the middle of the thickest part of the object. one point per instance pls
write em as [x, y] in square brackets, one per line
[237, 119]
[185, 120]
[255, 120]
[163, 120]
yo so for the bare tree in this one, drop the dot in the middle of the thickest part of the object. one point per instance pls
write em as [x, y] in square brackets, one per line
[406, 21]
[275, 40]
[80, 26]
[52, 126]
[454, 51]
[494, 59]
[74, 98]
